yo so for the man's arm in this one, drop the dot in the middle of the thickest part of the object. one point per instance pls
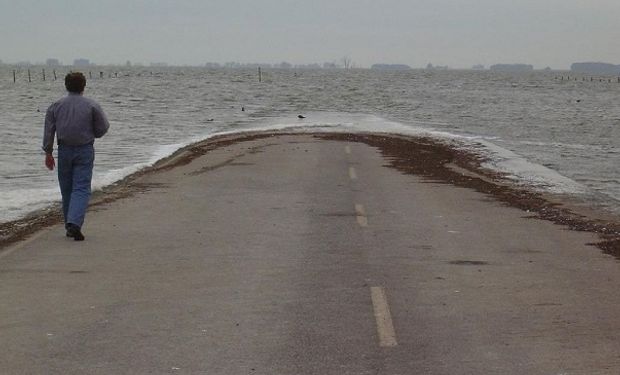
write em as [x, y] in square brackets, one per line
[100, 122]
[50, 163]
[49, 131]
[48, 138]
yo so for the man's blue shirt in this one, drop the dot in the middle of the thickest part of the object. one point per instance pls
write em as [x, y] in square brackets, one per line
[75, 120]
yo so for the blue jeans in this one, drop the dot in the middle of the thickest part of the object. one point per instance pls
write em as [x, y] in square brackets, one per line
[75, 171]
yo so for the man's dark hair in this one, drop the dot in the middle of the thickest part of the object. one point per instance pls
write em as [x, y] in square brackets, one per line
[75, 82]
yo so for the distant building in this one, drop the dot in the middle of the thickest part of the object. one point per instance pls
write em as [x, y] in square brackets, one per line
[81, 62]
[158, 65]
[308, 66]
[390, 67]
[438, 67]
[24, 63]
[283, 65]
[255, 65]
[128, 64]
[477, 67]
[595, 68]
[52, 62]
[512, 68]
[212, 65]
[330, 65]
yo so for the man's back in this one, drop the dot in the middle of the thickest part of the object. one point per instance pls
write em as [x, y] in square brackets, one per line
[76, 120]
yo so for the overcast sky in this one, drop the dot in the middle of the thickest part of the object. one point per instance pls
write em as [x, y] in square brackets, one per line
[458, 33]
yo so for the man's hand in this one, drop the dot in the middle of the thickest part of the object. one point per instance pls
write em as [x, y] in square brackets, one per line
[50, 163]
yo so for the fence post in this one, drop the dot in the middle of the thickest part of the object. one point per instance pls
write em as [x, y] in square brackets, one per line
[14, 76]
[29, 79]
[43, 72]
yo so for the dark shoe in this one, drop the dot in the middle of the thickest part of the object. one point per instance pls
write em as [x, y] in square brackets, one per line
[74, 231]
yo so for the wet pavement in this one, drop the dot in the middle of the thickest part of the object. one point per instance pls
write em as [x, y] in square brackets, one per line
[299, 255]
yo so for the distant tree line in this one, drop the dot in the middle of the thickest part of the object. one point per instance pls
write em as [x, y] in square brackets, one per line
[390, 67]
[512, 67]
[595, 68]
[281, 65]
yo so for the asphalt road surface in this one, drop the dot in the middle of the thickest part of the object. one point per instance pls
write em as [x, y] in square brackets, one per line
[296, 255]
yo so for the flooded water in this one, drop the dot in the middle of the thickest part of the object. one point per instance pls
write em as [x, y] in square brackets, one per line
[551, 134]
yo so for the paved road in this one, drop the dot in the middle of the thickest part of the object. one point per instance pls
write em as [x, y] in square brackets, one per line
[293, 255]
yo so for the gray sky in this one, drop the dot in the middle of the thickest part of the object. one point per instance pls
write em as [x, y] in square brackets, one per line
[458, 33]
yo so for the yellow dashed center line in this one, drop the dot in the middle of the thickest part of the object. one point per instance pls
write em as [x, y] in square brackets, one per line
[362, 220]
[352, 173]
[359, 210]
[385, 328]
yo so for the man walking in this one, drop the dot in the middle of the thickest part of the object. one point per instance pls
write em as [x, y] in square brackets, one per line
[76, 121]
